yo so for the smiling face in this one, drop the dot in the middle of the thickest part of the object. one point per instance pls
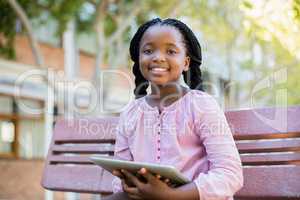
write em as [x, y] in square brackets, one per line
[162, 55]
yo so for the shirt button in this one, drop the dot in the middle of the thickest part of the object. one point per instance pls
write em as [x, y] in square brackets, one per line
[158, 149]
[158, 141]
[158, 157]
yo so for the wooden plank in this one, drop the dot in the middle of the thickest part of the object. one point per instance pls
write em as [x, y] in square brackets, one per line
[264, 121]
[79, 178]
[272, 181]
[269, 158]
[260, 136]
[84, 149]
[85, 130]
[268, 145]
[71, 159]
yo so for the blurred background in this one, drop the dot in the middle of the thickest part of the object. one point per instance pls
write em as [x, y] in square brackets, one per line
[63, 58]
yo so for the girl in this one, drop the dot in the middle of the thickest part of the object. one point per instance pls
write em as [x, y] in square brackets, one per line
[174, 125]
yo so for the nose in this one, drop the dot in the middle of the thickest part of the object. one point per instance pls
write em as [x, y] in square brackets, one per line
[158, 56]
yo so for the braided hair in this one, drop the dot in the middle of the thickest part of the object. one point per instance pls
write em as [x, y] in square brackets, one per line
[192, 77]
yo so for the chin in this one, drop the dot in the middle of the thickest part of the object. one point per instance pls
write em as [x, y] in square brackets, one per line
[159, 84]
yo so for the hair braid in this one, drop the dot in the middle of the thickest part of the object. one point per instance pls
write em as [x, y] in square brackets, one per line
[193, 77]
[140, 82]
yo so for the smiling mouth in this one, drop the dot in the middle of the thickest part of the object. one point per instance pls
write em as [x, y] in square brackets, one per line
[158, 70]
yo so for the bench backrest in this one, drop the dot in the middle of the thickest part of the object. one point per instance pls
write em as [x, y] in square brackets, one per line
[268, 141]
[269, 144]
[67, 167]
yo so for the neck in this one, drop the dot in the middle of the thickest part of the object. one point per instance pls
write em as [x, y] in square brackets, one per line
[160, 92]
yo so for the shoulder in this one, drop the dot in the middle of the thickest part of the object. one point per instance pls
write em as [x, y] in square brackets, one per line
[132, 108]
[129, 116]
[202, 101]
[202, 97]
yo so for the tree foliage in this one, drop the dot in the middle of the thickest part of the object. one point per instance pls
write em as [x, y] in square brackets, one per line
[257, 38]
[249, 44]
[9, 25]
[296, 9]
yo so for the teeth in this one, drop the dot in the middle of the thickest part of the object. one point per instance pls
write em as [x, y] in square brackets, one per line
[159, 69]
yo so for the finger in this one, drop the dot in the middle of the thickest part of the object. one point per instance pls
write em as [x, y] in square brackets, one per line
[148, 176]
[131, 177]
[130, 190]
[124, 184]
[127, 181]
[135, 197]
[158, 176]
[118, 173]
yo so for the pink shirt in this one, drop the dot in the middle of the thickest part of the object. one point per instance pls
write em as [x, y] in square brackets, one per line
[191, 134]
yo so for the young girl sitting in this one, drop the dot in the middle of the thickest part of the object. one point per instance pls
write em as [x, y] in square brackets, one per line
[174, 125]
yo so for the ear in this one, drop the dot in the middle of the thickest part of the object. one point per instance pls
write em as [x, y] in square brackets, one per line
[187, 63]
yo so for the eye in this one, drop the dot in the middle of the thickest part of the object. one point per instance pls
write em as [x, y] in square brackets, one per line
[171, 52]
[147, 51]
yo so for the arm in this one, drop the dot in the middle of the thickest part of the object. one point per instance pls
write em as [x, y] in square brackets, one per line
[224, 177]
[122, 152]
[185, 192]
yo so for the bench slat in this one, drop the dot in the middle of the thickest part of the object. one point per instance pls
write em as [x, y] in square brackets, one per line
[268, 145]
[271, 181]
[71, 159]
[264, 121]
[260, 136]
[79, 178]
[260, 159]
[95, 149]
[85, 130]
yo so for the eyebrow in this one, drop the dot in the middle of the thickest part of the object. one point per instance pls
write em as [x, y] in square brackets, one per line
[168, 44]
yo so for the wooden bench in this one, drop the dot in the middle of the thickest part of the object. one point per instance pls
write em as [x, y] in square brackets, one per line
[268, 140]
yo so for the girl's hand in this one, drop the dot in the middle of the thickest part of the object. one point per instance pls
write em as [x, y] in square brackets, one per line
[166, 180]
[154, 188]
[119, 174]
[123, 178]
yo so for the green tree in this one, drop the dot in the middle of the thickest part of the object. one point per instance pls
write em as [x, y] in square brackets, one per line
[229, 28]
[277, 35]
[11, 12]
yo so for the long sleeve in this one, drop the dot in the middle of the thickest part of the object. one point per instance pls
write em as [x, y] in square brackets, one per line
[122, 151]
[224, 177]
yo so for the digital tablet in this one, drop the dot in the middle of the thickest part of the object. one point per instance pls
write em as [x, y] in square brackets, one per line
[166, 171]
